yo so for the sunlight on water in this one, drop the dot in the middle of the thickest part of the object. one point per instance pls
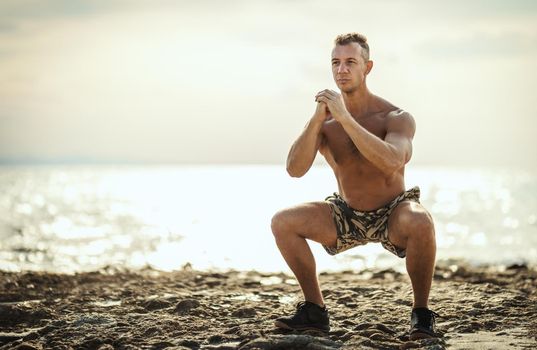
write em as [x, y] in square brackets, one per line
[82, 218]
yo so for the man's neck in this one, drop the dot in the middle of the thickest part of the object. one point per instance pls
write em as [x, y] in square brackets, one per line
[358, 102]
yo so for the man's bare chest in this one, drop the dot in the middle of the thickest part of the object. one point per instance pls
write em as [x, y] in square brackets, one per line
[340, 147]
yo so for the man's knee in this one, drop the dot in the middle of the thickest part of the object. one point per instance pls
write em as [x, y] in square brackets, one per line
[280, 223]
[309, 221]
[421, 223]
[414, 219]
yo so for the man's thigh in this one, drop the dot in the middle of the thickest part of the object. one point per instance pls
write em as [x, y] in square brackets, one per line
[311, 220]
[406, 218]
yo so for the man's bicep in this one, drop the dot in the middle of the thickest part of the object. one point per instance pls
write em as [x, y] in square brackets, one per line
[402, 145]
[400, 132]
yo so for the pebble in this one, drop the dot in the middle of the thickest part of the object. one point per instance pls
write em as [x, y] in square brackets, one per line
[379, 336]
[28, 346]
[156, 304]
[224, 346]
[186, 305]
[290, 342]
[409, 345]
[106, 347]
[8, 337]
[245, 312]
[93, 319]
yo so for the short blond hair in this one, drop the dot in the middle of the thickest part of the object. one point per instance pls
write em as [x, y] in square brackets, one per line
[360, 39]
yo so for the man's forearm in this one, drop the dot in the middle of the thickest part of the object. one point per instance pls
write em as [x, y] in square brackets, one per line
[383, 155]
[304, 149]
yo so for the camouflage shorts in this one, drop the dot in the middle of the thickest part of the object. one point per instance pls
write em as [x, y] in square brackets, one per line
[356, 227]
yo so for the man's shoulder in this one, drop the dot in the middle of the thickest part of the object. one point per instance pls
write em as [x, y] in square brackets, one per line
[398, 113]
[389, 110]
[399, 119]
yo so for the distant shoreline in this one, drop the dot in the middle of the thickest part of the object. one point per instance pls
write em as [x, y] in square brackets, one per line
[443, 263]
[39, 162]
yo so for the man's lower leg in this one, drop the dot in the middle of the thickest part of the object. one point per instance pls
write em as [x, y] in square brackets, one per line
[420, 260]
[298, 256]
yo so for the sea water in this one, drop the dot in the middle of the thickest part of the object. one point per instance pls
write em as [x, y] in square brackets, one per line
[80, 218]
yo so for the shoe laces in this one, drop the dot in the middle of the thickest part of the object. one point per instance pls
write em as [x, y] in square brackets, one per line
[305, 304]
[300, 305]
[434, 315]
[430, 316]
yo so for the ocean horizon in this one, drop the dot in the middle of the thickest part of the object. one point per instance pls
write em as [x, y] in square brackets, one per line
[74, 218]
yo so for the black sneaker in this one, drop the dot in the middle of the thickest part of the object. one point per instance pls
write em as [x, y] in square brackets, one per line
[308, 316]
[422, 323]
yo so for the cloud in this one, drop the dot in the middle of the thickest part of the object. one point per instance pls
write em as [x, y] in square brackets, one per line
[13, 10]
[479, 45]
[155, 80]
[7, 28]
[464, 10]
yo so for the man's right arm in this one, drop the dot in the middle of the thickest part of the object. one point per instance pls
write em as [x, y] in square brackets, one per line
[304, 149]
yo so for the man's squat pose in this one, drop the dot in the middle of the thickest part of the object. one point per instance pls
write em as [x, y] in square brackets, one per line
[367, 141]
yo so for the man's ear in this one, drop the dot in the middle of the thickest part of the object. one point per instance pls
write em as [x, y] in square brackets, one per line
[369, 65]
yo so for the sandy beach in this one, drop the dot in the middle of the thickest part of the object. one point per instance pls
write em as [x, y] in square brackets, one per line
[480, 308]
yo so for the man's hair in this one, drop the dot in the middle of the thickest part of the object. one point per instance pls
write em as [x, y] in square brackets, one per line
[345, 39]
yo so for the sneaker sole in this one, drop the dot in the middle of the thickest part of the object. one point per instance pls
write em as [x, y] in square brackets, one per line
[420, 335]
[280, 324]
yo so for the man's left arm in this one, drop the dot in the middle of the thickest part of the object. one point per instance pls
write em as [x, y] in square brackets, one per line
[389, 154]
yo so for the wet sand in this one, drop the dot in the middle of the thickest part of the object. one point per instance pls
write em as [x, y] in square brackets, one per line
[480, 308]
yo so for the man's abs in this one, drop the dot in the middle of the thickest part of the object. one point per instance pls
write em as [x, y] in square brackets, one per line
[366, 188]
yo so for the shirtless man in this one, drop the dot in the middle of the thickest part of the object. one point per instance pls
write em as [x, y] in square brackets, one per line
[366, 141]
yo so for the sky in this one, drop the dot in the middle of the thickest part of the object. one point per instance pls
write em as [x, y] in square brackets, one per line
[234, 81]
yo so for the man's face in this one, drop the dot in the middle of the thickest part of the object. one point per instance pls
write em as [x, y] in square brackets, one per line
[349, 68]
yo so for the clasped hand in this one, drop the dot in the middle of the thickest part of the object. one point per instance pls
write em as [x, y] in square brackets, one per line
[335, 104]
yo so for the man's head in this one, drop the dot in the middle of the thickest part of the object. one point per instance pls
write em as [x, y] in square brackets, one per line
[350, 61]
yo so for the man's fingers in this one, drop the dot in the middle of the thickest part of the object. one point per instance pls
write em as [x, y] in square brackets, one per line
[330, 94]
[324, 94]
[322, 98]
